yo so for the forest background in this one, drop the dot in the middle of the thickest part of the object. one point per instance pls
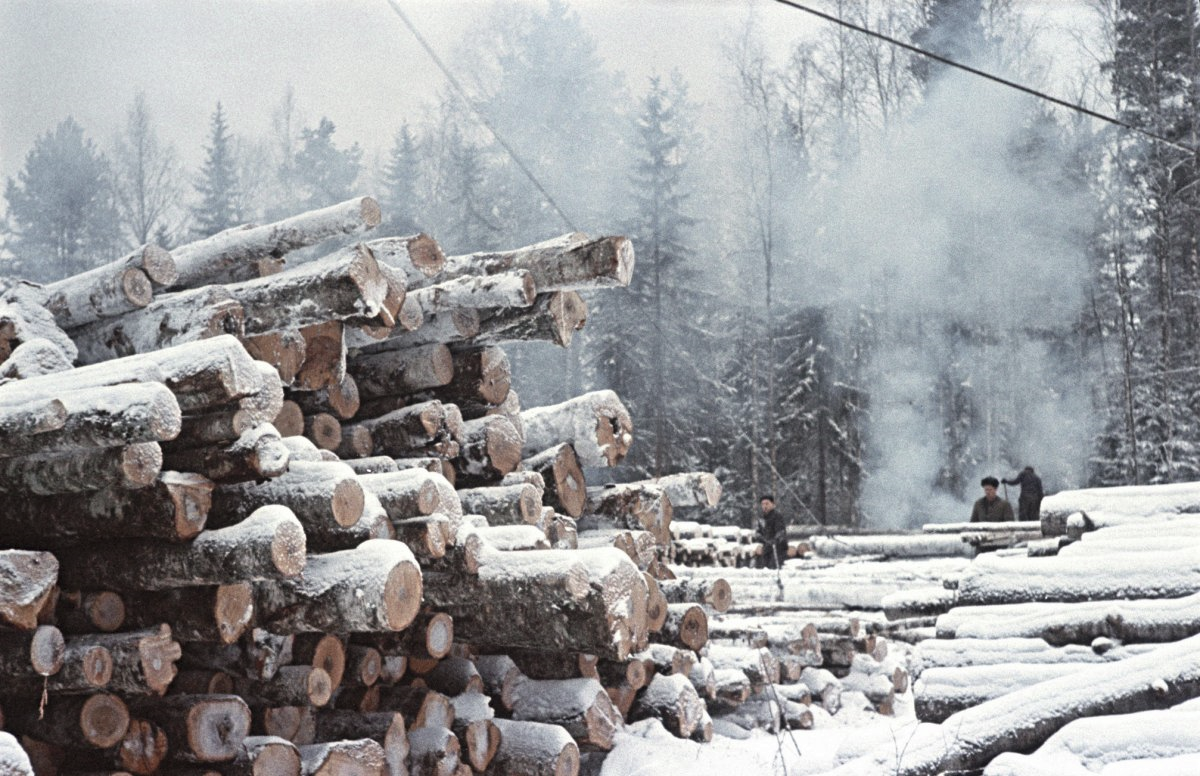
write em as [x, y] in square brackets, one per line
[864, 280]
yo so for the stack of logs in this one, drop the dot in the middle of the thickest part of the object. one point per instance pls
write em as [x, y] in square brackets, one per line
[280, 518]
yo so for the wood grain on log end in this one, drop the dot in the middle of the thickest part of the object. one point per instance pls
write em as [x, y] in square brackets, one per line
[46, 650]
[402, 595]
[356, 442]
[323, 651]
[143, 747]
[104, 720]
[288, 547]
[370, 212]
[141, 464]
[136, 287]
[159, 265]
[324, 430]
[426, 255]
[348, 502]
[233, 610]
[216, 725]
[290, 420]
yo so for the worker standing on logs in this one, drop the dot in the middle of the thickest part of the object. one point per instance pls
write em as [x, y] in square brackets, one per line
[772, 532]
[991, 508]
[1029, 503]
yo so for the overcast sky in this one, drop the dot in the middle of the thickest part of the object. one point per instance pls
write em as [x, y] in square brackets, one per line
[349, 59]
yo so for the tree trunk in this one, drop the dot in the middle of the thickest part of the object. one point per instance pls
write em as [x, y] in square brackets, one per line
[266, 545]
[340, 400]
[143, 661]
[634, 505]
[324, 356]
[458, 324]
[218, 613]
[128, 468]
[27, 581]
[571, 262]
[394, 372]
[91, 612]
[715, 593]
[33, 654]
[506, 289]
[686, 626]
[695, 489]
[579, 706]
[491, 448]
[171, 319]
[209, 259]
[533, 749]
[673, 700]
[596, 424]
[433, 751]
[385, 728]
[500, 678]
[374, 587]
[323, 495]
[102, 292]
[503, 504]
[99, 721]
[283, 350]
[362, 757]
[201, 728]
[565, 487]
[418, 256]
[266, 756]
[553, 317]
[257, 455]
[34, 358]
[479, 375]
[404, 494]
[290, 686]
[408, 428]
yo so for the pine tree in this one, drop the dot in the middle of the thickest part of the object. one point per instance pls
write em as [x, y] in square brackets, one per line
[471, 226]
[220, 194]
[61, 207]
[326, 173]
[399, 195]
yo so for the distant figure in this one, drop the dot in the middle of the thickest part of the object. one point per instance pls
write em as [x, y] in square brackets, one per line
[1030, 500]
[772, 532]
[991, 508]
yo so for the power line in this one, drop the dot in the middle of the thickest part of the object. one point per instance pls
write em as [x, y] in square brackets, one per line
[984, 74]
[479, 114]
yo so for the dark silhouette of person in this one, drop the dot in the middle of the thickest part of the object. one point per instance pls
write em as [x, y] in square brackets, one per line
[772, 532]
[991, 508]
[1029, 503]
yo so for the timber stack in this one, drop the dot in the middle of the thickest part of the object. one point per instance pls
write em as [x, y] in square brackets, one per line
[277, 516]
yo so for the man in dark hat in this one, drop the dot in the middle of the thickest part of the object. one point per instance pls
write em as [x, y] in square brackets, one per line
[772, 532]
[1030, 501]
[991, 508]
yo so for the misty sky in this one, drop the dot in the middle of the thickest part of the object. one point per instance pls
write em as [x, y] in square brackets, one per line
[349, 59]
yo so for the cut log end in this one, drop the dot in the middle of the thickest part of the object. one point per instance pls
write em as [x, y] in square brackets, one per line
[426, 255]
[402, 595]
[159, 265]
[233, 610]
[141, 464]
[348, 502]
[136, 287]
[105, 610]
[46, 650]
[324, 430]
[720, 596]
[104, 720]
[216, 727]
[288, 548]
[143, 748]
[370, 212]
[439, 635]
[97, 666]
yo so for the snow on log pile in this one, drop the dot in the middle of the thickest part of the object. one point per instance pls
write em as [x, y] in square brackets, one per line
[279, 518]
[1077, 655]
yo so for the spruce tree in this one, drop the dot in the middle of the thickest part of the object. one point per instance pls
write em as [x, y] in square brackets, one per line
[61, 207]
[220, 195]
[399, 195]
[326, 173]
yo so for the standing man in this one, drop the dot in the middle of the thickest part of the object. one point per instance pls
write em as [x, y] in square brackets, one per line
[991, 508]
[1030, 500]
[772, 532]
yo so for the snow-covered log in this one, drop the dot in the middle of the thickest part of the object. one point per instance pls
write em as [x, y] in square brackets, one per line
[131, 467]
[925, 601]
[552, 317]
[514, 288]
[887, 546]
[596, 424]
[111, 289]
[568, 263]
[691, 489]
[1131, 502]
[673, 700]
[960, 528]
[579, 706]
[533, 749]
[257, 454]
[943, 690]
[564, 483]
[393, 372]
[491, 448]
[635, 505]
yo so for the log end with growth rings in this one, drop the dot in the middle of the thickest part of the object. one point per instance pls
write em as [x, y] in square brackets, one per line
[143, 748]
[46, 650]
[370, 212]
[97, 665]
[288, 547]
[216, 727]
[402, 595]
[159, 265]
[141, 464]
[233, 610]
[136, 287]
[426, 255]
[104, 720]
[348, 502]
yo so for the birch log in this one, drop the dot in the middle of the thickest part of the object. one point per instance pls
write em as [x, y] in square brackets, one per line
[596, 424]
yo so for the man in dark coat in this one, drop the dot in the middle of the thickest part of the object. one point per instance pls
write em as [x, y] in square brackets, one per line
[1030, 500]
[991, 508]
[772, 532]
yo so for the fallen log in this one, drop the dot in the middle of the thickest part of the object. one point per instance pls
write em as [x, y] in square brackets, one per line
[218, 613]
[565, 486]
[267, 544]
[201, 728]
[283, 350]
[34, 358]
[418, 256]
[458, 324]
[143, 662]
[433, 751]
[385, 728]
[257, 454]
[693, 489]
[571, 262]
[266, 755]
[500, 676]
[491, 448]
[579, 706]
[503, 504]
[324, 356]
[686, 626]
[478, 376]
[393, 372]
[673, 700]
[636, 505]
[533, 749]
[553, 317]
[324, 495]
[111, 289]
[27, 582]
[209, 259]
[127, 468]
[513, 288]
[715, 593]
[341, 400]
[596, 424]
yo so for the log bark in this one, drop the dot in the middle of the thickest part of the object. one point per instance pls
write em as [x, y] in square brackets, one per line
[35, 416]
[393, 372]
[555, 665]
[345, 284]
[99, 721]
[171, 319]
[324, 356]
[34, 358]
[110, 289]
[941, 691]
[266, 756]
[86, 667]
[259, 654]
[553, 317]
[409, 428]
[636, 505]
[455, 325]
[257, 454]
[533, 749]
[596, 424]
[503, 504]
[128, 468]
[500, 678]
[418, 257]
[570, 262]
[759, 665]
[673, 700]
[217, 613]
[686, 626]
[1022, 720]
[478, 376]
[143, 661]
[514, 288]
[565, 486]
[283, 350]
[579, 706]
[385, 728]
[715, 593]
[290, 686]
[201, 728]
[364, 666]
[91, 612]
[104, 417]
[404, 494]
[362, 757]
[693, 489]
[374, 587]
[341, 400]
[454, 676]
[587, 601]
[267, 544]
[433, 751]
[491, 448]
[27, 580]
[323, 495]
[208, 259]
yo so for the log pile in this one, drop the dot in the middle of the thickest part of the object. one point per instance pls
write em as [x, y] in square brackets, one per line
[289, 517]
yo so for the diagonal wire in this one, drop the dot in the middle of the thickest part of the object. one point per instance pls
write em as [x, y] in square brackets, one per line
[462, 93]
[986, 75]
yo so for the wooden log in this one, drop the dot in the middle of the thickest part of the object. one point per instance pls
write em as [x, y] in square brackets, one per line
[500, 678]
[196, 681]
[171, 319]
[33, 416]
[99, 721]
[429, 636]
[283, 350]
[110, 289]
[631, 673]
[553, 317]
[404, 494]
[267, 544]
[373, 464]
[290, 686]
[105, 417]
[290, 420]
[324, 356]
[201, 728]
[555, 665]
[579, 706]
[455, 676]
[374, 587]
[100, 611]
[514, 537]
[364, 666]
[433, 751]
[458, 324]
[703, 677]
[341, 400]
[296, 724]
[401, 371]
[715, 593]
[321, 650]
[514, 288]
[491, 448]
[565, 486]
[143, 661]
[759, 665]
[259, 654]
[570, 262]
[673, 700]
[503, 505]
[944, 690]
[1022, 720]
[421, 707]
[692, 489]
[479, 375]
[219, 613]
[131, 467]
[636, 505]
[201, 261]
[408, 427]
[606, 615]
[385, 728]
[596, 424]
[666, 659]
[266, 755]
[323, 495]
[33, 654]
[418, 256]
[256, 455]
[27, 582]
[34, 358]
[686, 626]
[533, 749]
[475, 728]
[325, 432]
[345, 284]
